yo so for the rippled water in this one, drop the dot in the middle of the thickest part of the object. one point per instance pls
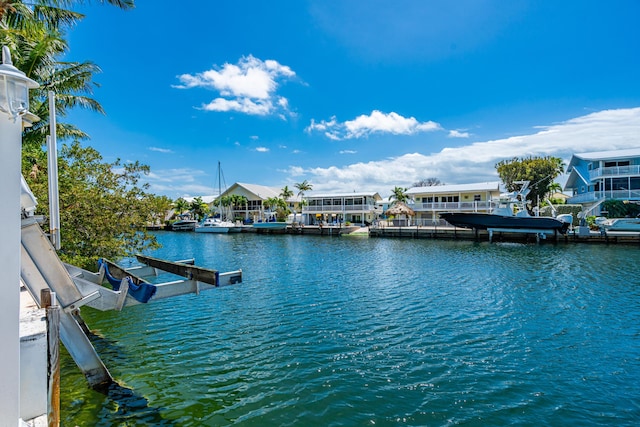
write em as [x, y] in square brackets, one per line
[356, 331]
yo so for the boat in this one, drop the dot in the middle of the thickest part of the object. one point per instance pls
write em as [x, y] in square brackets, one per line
[620, 224]
[276, 225]
[217, 225]
[185, 223]
[509, 215]
[214, 225]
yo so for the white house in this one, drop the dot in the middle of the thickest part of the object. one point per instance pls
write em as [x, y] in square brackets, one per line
[429, 202]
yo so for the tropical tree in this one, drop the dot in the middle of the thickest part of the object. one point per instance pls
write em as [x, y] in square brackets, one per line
[303, 187]
[286, 193]
[399, 194]
[199, 208]
[180, 205]
[539, 171]
[103, 207]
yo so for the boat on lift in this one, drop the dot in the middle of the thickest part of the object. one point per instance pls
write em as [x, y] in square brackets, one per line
[509, 214]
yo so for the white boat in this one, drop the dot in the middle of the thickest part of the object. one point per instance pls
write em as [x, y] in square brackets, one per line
[620, 224]
[270, 225]
[214, 225]
[184, 224]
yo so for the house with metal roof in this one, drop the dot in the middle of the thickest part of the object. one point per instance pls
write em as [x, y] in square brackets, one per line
[255, 196]
[604, 175]
[429, 202]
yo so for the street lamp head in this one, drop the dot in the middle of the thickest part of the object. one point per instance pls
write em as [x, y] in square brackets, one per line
[14, 87]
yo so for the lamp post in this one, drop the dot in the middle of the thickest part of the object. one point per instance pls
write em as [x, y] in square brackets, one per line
[14, 103]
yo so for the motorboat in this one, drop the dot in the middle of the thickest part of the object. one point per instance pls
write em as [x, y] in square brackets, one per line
[214, 225]
[184, 224]
[509, 214]
[620, 224]
[277, 225]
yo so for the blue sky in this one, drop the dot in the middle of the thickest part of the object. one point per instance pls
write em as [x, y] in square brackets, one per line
[356, 95]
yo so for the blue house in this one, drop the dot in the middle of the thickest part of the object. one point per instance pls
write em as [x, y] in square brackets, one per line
[604, 175]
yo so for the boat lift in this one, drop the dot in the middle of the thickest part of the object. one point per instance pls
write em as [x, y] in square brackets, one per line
[75, 287]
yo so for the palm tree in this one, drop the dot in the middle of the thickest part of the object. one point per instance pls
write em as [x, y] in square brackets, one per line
[302, 187]
[400, 194]
[180, 205]
[199, 208]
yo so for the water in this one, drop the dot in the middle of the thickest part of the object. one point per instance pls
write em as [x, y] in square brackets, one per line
[353, 331]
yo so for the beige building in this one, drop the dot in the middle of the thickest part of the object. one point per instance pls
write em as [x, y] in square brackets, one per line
[429, 202]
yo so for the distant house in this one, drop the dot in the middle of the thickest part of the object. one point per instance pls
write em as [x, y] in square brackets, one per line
[429, 202]
[256, 195]
[357, 208]
[604, 175]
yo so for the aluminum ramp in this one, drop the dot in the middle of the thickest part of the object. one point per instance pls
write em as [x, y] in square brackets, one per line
[40, 268]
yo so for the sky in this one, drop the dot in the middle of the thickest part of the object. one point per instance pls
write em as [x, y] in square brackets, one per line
[356, 95]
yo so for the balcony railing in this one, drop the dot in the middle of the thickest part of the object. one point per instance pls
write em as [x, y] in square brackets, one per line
[338, 208]
[630, 170]
[607, 195]
[452, 206]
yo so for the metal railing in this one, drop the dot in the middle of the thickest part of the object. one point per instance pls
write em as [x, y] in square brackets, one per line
[452, 206]
[614, 171]
[338, 208]
[609, 194]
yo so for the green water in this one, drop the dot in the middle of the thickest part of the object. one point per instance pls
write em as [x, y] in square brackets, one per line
[353, 331]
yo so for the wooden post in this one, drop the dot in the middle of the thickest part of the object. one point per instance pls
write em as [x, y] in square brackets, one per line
[49, 302]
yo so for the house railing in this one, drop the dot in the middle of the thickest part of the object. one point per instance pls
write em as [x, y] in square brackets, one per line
[338, 208]
[614, 171]
[607, 195]
[452, 206]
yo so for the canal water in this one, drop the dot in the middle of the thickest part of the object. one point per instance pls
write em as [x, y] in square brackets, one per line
[356, 331]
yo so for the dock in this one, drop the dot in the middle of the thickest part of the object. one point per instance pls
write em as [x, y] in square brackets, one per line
[500, 235]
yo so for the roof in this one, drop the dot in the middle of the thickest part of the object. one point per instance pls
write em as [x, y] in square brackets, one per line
[259, 191]
[608, 155]
[455, 188]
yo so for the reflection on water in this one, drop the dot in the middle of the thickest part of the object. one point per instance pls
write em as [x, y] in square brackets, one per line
[338, 331]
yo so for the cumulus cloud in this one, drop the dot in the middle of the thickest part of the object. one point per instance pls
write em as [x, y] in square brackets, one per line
[247, 87]
[475, 162]
[262, 149]
[458, 134]
[376, 122]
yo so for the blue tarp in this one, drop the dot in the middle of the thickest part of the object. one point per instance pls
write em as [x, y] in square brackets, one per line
[142, 292]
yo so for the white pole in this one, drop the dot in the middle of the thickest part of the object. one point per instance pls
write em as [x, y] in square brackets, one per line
[52, 158]
[10, 148]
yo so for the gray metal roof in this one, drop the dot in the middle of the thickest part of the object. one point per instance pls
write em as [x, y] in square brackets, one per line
[456, 188]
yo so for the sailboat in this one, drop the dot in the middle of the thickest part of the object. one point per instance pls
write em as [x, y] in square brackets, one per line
[216, 225]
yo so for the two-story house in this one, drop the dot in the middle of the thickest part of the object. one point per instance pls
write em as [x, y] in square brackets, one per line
[357, 208]
[429, 202]
[603, 175]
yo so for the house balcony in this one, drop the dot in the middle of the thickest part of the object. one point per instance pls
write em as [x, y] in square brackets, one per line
[478, 206]
[615, 171]
[604, 195]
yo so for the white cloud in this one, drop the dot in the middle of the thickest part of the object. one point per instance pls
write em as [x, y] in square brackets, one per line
[161, 150]
[262, 149]
[248, 87]
[348, 152]
[458, 134]
[376, 122]
[177, 182]
[604, 130]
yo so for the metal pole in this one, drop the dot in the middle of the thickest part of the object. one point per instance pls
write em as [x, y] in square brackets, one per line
[52, 158]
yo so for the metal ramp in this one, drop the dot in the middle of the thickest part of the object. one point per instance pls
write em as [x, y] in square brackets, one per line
[74, 287]
[40, 268]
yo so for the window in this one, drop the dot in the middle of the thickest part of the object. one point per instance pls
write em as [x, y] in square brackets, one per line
[477, 197]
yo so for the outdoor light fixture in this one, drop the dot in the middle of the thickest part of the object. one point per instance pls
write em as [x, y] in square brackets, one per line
[14, 88]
